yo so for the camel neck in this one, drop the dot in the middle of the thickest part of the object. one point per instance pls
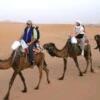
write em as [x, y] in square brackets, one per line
[6, 63]
[60, 53]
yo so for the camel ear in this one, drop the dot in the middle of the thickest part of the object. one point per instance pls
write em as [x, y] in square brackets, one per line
[52, 44]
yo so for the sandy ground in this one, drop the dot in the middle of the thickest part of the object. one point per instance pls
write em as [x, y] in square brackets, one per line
[72, 87]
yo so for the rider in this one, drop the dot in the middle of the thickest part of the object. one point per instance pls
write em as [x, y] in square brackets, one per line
[37, 47]
[80, 32]
[30, 36]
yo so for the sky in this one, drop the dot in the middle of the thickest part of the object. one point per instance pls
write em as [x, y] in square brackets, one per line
[50, 11]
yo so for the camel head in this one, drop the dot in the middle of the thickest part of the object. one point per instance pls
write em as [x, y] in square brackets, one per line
[97, 39]
[50, 47]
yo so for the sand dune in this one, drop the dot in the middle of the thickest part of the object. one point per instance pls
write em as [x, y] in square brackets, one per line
[72, 87]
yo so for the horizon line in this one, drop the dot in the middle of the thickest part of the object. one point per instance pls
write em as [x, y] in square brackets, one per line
[22, 22]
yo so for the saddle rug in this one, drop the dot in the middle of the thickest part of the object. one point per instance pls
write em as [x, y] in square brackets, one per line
[24, 46]
[21, 43]
[74, 40]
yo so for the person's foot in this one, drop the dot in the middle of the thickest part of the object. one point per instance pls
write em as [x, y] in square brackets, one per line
[32, 63]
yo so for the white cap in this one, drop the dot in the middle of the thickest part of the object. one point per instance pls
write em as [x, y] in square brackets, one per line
[77, 21]
[29, 22]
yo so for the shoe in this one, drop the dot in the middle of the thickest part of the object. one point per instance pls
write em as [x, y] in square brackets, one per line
[32, 64]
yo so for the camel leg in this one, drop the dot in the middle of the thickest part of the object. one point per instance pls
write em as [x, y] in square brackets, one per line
[91, 69]
[45, 64]
[23, 80]
[77, 65]
[47, 74]
[40, 77]
[65, 67]
[10, 85]
[87, 61]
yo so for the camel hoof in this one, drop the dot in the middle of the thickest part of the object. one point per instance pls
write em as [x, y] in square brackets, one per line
[84, 72]
[24, 91]
[48, 82]
[92, 71]
[61, 78]
[36, 88]
[6, 98]
[81, 74]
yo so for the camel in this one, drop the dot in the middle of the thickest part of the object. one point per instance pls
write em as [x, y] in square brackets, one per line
[18, 62]
[97, 39]
[70, 50]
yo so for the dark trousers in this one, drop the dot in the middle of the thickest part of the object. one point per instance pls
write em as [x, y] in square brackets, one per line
[31, 53]
[79, 36]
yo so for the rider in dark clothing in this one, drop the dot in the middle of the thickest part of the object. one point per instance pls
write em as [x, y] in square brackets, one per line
[30, 38]
[28, 32]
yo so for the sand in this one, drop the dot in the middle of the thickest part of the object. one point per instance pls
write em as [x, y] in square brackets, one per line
[72, 87]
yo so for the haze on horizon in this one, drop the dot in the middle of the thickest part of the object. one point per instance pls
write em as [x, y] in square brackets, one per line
[51, 11]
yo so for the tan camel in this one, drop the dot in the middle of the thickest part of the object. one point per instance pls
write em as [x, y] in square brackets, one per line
[70, 50]
[18, 62]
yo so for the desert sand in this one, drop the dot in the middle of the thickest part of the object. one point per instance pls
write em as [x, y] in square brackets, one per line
[72, 87]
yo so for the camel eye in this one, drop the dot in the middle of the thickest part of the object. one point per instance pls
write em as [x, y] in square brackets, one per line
[50, 48]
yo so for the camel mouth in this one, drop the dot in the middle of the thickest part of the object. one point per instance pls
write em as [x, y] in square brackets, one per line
[45, 46]
[49, 48]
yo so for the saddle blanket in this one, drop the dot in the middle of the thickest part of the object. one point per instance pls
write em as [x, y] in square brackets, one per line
[16, 44]
[74, 40]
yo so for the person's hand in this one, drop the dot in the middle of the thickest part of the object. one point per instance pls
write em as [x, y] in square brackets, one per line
[28, 44]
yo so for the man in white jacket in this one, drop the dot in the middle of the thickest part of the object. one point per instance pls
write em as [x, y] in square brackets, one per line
[80, 33]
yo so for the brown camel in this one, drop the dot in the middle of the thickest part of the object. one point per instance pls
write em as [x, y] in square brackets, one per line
[18, 62]
[97, 39]
[70, 50]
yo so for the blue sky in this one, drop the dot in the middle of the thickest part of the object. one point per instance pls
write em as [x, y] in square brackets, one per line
[50, 11]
